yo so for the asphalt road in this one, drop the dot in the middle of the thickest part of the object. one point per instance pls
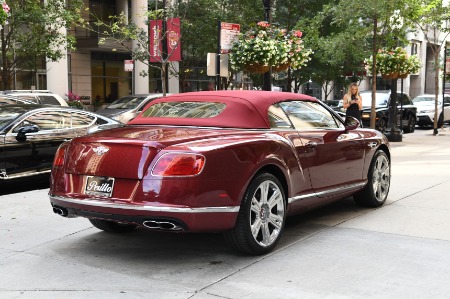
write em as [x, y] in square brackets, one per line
[401, 250]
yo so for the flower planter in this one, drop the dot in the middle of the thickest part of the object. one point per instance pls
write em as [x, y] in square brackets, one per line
[280, 68]
[256, 68]
[390, 76]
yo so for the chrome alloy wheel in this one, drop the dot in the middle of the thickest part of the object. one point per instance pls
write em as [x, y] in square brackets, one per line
[267, 213]
[381, 178]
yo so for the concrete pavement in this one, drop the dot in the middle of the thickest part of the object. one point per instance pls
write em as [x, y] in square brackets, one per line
[401, 250]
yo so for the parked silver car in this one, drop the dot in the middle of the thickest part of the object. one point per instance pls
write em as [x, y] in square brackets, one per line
[35, 96]
[126, 108]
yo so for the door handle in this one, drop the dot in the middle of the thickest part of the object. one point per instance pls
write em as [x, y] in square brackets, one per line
[311, 144]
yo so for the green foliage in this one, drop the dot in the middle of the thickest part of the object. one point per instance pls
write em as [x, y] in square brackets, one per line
[34, 31]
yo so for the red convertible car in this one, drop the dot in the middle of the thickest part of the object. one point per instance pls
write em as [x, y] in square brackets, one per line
[237, 162]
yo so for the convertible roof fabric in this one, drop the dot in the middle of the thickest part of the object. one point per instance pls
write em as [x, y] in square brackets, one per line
[244, 108]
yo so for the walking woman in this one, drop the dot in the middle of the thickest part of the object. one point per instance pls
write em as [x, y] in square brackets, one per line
[352, 102]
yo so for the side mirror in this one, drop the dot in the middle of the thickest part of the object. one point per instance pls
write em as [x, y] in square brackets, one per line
[351, 123]
[21, 135]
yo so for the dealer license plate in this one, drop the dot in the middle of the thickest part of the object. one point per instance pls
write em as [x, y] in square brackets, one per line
[100, 186]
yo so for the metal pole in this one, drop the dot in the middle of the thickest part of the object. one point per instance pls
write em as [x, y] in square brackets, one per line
[267, 84]
[219, 27]
[443, 83]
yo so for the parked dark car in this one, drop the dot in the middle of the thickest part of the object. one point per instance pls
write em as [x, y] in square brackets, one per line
[236, 162]
[128, 107]
[406, 110]
[30, 135]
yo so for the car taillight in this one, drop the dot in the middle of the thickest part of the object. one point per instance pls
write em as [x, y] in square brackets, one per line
[179, 164]
[58, 161]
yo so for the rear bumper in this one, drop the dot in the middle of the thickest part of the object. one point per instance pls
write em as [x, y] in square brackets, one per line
[198, 219]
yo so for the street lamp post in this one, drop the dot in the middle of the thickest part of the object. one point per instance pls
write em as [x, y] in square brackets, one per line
[267, 84]
[393, 133]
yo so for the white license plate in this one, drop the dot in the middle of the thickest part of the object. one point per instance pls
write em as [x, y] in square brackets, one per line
[99, 186]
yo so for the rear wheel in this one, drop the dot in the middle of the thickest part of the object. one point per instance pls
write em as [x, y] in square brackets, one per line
[376, 191]
[111, 226]
[261, 218]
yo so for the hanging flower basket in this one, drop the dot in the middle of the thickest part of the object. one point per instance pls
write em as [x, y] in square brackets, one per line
[266, 45]
[394, 63]
[4, 12]
[390, 76]
[256, 68]
[280, 68]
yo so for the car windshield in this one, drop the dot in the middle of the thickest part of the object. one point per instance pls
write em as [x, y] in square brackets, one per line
[129, 102]
[381, 99]
[184, 110]
[425, 100]
[7, 114]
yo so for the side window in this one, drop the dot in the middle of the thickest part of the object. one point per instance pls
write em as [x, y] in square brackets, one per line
[80, 120]
[447, 100]
[51, 100]
[278, 119]
[45, 120]
[310, 115]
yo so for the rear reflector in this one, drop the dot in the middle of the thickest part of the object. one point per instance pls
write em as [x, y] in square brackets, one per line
[179, 164]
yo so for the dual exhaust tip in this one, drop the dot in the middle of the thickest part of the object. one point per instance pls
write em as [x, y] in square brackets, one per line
[162, 225]
[61, 211]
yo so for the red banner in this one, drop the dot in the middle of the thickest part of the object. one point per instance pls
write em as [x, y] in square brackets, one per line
[172, 38]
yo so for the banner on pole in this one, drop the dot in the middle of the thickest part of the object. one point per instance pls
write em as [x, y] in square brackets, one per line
[172, 36]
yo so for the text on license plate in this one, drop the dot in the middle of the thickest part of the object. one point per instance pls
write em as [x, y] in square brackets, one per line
[100, 186]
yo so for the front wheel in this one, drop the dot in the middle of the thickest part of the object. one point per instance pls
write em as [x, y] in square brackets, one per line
[382, 125]
[376, 191]
[261, 218]
[111, 226]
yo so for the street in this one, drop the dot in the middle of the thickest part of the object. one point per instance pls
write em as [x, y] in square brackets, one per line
[401, 250]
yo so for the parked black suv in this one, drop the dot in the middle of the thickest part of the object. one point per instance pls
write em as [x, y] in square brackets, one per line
[406, 111]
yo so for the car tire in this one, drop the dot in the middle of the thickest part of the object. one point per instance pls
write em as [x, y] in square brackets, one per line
[375, 192]
[111, 226]
[261, 218]
[382, 125]
[410, 127]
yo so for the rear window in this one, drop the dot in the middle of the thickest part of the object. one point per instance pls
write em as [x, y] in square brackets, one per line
[185, 110]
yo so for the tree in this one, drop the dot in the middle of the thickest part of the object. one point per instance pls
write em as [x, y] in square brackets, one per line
[373, 20]
[32, 33]
[432, 18]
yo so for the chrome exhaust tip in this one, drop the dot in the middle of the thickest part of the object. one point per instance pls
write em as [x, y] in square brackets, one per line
[162, 225]
[60, 211]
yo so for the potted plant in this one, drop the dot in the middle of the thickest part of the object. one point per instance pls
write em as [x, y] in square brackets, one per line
[4, 12]
[394, 63]
[73, 100]
[265, 46]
